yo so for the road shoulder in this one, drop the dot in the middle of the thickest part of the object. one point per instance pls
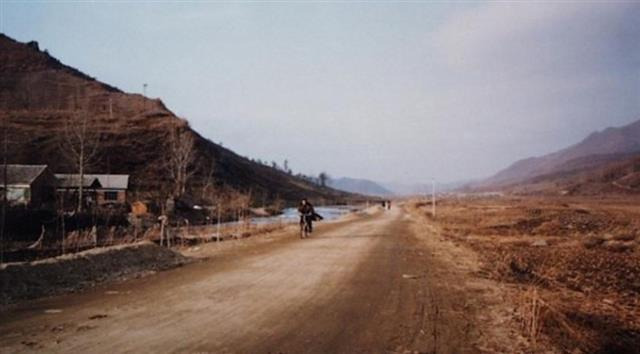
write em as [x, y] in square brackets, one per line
[478, 304]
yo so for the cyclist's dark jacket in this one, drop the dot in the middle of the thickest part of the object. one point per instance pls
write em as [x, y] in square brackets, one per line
[306, 209]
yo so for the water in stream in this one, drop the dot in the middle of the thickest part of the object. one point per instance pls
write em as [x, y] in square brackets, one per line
[288, 215]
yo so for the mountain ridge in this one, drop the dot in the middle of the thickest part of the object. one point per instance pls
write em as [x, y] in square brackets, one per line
[615, 142]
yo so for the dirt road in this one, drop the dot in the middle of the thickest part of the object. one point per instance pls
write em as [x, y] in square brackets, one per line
[362, 286]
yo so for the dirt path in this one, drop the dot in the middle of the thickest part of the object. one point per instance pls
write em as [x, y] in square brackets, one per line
[361, 287]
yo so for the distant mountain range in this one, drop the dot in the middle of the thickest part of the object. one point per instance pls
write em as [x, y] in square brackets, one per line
[605, 162]
[359, 186]
[412, 189]
[38, 94]
[389, 189]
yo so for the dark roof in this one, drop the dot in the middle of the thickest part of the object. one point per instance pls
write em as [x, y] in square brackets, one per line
[73, 181]
[112, 181]
[94, 181]
[21, 174]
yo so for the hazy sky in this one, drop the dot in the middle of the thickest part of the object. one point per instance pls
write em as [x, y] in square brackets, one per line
[387, 91]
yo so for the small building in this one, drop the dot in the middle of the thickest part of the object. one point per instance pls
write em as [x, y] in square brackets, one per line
[28, 185]
[100, 189]
[68, 186]
[113, 188]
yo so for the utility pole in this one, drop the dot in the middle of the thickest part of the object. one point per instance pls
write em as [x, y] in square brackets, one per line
[433, 197]
[5, 185]
[218, 210]
[110, 109]
[144, 96]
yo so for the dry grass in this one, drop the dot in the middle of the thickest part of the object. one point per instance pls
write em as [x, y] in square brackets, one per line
[531, 308]
[575, 263]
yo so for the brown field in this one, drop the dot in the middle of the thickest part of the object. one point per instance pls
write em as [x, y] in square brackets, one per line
[571, 266]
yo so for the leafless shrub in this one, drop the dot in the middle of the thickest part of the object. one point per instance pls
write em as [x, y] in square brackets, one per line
[79, 239]
[532, 308]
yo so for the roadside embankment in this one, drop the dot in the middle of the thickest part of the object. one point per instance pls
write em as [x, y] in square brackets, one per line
[74, 272]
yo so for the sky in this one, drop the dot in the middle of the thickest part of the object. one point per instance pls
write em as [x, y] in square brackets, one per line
[389, 91]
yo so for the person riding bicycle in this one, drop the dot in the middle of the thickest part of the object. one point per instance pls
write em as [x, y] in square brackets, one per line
[307, 213]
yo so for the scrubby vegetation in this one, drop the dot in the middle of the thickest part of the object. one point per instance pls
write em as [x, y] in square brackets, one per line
[573, 264]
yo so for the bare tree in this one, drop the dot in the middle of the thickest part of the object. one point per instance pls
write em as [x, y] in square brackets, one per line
[79, 145]
[209, 193]
[207, 186]
[180, 157]
[286, 167]
[323, 177]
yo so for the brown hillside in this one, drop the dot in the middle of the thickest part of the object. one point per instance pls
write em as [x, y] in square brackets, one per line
[599, 148]
[38, 93]
[590, 175]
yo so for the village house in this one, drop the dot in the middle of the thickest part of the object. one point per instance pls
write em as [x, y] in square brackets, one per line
[99, 189]
[28, 185]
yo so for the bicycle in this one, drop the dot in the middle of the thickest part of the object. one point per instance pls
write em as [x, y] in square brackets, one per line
[305, 225]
